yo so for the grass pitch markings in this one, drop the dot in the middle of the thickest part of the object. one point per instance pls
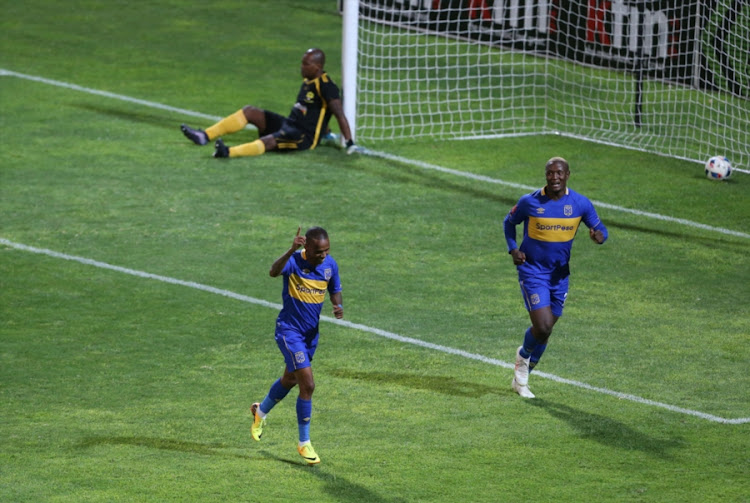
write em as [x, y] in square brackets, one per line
[371, 330]
[374, 153]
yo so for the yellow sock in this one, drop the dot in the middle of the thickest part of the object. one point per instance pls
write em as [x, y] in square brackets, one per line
[227, 125]
[256, 147]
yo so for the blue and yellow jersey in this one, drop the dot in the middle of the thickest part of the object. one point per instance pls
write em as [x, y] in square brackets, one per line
[305, 290]
[311, 112]
[549, 227]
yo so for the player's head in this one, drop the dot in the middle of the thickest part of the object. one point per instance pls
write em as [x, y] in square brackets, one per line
[313, 63]
[316, 245]
[557, 172]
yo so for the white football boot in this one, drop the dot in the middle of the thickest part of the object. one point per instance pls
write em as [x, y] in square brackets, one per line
[523, 391]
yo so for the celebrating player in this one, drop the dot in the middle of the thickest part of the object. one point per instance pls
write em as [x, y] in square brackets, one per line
[318, 98]
[307, 275]
[551, 217]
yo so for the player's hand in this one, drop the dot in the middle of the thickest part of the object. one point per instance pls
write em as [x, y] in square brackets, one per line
[298, 240]
[338, 311]
[519, 257]
[596, 236]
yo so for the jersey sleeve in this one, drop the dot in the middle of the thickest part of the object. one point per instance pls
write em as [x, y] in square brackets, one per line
[289, 267]
[330, 91]
[514, 217]
[592, 220]
[334, 284]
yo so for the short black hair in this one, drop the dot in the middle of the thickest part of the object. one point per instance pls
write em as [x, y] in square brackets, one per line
[316, 234]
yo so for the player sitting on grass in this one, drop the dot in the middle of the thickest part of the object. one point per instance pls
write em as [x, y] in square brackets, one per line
[304, 128]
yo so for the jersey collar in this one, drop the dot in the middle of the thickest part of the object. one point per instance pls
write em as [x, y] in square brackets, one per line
[544, 191]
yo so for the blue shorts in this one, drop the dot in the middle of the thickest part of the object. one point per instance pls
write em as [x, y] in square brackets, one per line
[542, 292]
[298, 349]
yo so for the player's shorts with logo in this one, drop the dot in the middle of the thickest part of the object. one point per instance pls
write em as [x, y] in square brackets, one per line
[540, 292]
[298, 349]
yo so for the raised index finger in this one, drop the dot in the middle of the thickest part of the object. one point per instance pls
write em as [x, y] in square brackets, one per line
[298, 229]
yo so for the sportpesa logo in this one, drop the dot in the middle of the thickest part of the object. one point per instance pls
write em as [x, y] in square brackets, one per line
[556, 227]
[555, 230]
[313, 291]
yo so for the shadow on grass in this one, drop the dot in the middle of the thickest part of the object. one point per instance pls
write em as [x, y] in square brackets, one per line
[607, 431]
[214, 449]
[338, 487]
[131, 115]
[440, 384]
[409, 174]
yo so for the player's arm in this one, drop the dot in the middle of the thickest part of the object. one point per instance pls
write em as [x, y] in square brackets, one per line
[597, 230]
[338, 305]
[337, 110]
[280, 262]
[509, 229]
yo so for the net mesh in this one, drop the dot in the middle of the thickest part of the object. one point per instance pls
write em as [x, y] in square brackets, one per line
[669, 77]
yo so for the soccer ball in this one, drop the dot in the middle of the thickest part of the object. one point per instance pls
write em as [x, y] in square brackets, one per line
[718, 168]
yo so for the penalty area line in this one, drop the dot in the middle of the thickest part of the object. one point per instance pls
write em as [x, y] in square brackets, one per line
[370, 330]
[374, 153]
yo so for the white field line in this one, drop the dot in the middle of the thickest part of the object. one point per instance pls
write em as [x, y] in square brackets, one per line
[599, 204]
[371, 330]
[383, 155]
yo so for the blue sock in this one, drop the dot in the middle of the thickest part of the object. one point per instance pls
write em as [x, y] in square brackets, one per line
[274, 396]
[304, 412]
[536, 355]
[529, 344]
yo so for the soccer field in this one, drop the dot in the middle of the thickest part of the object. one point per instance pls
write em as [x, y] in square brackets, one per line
[137, 314]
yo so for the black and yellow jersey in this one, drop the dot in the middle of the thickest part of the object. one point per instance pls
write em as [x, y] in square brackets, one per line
[311, 112]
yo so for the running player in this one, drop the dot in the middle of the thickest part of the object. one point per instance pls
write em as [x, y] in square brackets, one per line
[307, 124]
[307, 274]
[551, 216]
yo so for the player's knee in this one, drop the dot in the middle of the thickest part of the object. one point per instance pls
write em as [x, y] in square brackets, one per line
[542, 331]
[255, 116]
[289, 381]
[307, 388]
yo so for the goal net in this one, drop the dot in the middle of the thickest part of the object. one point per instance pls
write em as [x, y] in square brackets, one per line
[664, 76]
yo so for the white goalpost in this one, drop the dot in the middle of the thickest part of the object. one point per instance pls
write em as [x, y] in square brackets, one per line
[665, 76]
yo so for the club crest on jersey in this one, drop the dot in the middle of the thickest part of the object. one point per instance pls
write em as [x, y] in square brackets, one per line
[299, 357]
[568, 210]
[327, 273]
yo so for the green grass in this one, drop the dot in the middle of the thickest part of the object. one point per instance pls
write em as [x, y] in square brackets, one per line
[116, 387]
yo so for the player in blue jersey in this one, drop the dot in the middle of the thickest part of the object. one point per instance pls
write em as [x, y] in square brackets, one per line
[550, 217]
[307, 124]
[307, 274]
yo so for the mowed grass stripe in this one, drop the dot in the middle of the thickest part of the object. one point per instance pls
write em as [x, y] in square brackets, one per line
[371, 330]
[384, 155]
